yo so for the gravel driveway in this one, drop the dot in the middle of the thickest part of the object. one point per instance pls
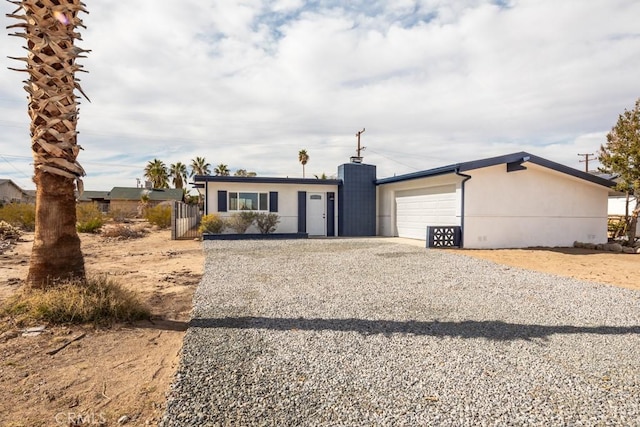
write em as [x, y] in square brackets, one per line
[354, 332]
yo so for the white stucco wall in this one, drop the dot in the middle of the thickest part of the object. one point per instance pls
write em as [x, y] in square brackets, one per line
[533, 207]
[387, 224]
[287, 200]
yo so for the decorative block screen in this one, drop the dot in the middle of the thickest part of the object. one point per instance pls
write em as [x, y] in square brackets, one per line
[443, 237]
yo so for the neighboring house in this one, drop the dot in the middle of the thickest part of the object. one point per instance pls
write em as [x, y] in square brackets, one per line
[10, 192]
[101, 198]
[511, 201]
[127, 199]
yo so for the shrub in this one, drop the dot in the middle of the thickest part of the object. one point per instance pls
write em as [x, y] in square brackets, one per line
[100, 301]
[121, 231]
[267, 223]
[212, 223]
[22, 215]
[8, 231]
[118, 215]
[159, 215]
[241, 221]
[89, 218]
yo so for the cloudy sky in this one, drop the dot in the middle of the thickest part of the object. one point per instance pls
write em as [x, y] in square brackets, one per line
[249, 83]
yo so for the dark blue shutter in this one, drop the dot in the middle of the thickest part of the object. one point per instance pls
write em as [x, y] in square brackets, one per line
[302, 211]
[273, 201]
[222, 201]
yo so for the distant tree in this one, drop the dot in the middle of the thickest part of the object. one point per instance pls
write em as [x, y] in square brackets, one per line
[621, 156]
[221, 170]
[199, 166]
[156, 172]
[303, 158]
[243, 172]
[323, 176]
[178, 174]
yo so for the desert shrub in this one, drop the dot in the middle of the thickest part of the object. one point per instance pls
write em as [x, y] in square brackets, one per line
[118, 215]
[89, 218]
[267, 222]
[8, 231]
[100, 301]
[22, 215]
[241, 221]
[121, 231]
[159, 215]
[212, 223]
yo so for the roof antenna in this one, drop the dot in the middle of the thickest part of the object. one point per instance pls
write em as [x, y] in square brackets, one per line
[358, 158]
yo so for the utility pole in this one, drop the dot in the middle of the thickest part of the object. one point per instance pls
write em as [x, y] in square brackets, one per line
[358, 136]
[586, 160]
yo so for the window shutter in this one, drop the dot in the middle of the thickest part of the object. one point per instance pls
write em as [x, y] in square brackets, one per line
[273, 201]
[222, 201]
[302, 211]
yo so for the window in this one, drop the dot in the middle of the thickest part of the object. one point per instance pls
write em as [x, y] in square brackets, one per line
[248, 201]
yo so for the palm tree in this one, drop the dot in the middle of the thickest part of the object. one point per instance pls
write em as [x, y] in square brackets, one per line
[178, 173]
[156, 172]
[303, 157]
[50, 33]
[199, 166]
[221, 170]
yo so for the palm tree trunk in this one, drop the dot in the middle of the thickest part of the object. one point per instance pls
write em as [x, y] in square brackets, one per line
[56, 253]
[49, 30]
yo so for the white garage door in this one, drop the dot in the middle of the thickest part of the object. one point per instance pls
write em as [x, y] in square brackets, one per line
[417, 209]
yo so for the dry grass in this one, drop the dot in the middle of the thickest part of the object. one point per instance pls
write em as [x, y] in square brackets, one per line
[100, 301]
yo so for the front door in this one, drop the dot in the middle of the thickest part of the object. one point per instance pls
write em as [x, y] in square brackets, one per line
[316, 215]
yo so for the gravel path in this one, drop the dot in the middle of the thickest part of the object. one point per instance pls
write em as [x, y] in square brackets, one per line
[358, 332]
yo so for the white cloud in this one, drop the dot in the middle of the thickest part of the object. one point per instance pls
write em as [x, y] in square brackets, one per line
[249, 83]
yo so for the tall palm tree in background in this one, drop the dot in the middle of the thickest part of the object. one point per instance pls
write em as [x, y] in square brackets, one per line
[303, 157]
[50, 33]
[156, 172]
[199, 166]
[178, 174]
[221, 170]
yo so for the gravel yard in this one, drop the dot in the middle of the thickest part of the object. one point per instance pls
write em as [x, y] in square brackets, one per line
[352, 332]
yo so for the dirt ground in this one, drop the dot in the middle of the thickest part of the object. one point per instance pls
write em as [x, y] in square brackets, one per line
[621, 270]
[110, 373]
[126, 370]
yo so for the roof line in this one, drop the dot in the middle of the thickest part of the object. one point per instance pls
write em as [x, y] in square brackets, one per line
[519, 158]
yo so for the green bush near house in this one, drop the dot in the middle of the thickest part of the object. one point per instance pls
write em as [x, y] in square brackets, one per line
[241, 221]
[89, 218]
[212, 223]
[267, 222]
[21, 215]
[159, 215]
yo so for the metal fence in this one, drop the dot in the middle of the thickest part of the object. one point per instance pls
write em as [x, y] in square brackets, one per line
[185, 220]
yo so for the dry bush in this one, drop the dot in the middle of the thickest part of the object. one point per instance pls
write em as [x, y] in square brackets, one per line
[9, 232]
[89, 218]
[100, 301]
[22, 215]
[212, 223]
[267, 222]
[122, 231]
[241, 221]
[159, 215]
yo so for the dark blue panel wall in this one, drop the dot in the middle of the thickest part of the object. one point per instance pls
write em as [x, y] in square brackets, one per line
[357, 200]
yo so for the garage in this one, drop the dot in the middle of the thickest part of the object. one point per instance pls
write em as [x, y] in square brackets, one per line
[418, 208]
